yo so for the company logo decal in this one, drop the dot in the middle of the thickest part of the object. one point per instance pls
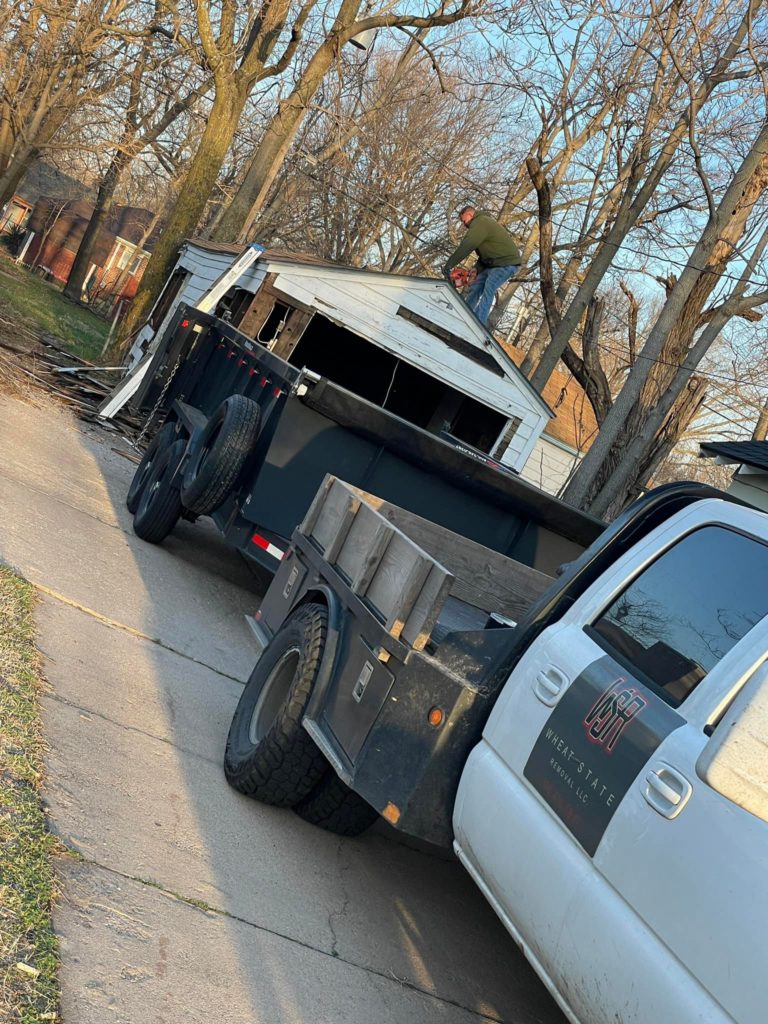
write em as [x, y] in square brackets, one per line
[612, 712]
[594, 744]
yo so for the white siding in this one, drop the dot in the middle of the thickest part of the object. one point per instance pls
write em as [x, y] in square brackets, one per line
[751, 487]
[549, 465]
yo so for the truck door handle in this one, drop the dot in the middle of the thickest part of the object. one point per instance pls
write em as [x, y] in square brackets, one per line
[666, 790]
[549, 684]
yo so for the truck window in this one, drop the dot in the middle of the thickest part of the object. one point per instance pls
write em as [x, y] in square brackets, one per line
[679, 617]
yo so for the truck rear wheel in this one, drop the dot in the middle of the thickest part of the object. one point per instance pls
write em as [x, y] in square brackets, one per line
[332, 805]
[164, 437]
[269, 755]
[160, 502]
[220, 451]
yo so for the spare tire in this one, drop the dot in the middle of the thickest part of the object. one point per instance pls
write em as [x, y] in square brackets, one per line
[160, 503]
[218, 454]
[269, 755]
[164, 437]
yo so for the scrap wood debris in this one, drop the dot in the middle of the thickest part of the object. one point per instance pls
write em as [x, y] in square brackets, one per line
[77, 383]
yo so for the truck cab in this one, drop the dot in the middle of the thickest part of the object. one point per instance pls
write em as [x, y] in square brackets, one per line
[614, 812]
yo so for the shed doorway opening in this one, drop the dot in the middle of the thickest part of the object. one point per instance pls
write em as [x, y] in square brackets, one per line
[387, 381]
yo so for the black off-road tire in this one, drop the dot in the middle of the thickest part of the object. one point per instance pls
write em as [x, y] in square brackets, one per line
[219, 455]
[164, 437]
[332, 805]
[269, 755]
[160, 503]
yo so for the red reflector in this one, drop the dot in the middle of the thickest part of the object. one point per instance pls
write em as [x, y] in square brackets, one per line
[257, 616]
[262, 382]
[276, 392]
[241, 362]
[251, 372]
[185, 323]
[260, 542]
[230, 354]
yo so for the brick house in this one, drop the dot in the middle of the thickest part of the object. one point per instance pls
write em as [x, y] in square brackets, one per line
[56, 228]
[566, 438]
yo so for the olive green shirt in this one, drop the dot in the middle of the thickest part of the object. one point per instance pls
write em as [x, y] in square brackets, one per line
[494, 245]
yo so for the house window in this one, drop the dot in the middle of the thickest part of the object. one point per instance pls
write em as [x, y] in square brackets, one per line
[123, 257]
[136, 264]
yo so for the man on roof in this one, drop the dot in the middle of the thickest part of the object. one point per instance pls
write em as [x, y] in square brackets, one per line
[498, 257]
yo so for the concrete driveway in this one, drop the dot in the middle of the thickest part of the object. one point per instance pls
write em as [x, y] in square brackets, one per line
[190, 903]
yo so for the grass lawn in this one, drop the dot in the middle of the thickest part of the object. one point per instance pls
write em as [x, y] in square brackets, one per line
[43, 309]
[28, 946]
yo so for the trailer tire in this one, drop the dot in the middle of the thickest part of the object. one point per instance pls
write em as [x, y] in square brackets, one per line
[332, 805]
[160, 502]
[220, 451]
[269, 755]
[162, 439]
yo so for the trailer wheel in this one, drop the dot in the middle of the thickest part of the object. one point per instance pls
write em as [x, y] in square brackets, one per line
[269, 755]
[162, 439]
[220, 453]
[332, 805]
[160, 503]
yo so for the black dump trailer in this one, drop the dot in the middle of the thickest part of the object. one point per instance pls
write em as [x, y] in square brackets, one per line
[247, 438]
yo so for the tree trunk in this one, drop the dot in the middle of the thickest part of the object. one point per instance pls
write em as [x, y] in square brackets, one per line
[219, 131]
[761, 427]
[77, 275]
[237, 221]
[15, 171]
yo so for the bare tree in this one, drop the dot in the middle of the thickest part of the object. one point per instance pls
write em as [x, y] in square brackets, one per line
[149, 112]
[238, 51]
[682, 44]
[684, 331]
[53, 60]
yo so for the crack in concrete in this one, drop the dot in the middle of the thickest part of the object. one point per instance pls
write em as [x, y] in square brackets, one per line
[62, 501]
[105, 620]
[338, 915]
[206, 908]
[129, 728]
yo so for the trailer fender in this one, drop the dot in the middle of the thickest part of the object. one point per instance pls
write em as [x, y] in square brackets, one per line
[337, 620]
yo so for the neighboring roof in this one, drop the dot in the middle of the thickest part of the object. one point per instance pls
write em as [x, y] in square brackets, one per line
[43, 179]
[750, 453]
[127, 222]
[574, 423]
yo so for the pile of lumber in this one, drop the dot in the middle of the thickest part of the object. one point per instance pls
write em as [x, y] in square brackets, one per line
[78, 384]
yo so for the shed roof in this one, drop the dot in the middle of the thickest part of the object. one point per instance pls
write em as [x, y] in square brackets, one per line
[501, 354]
[281, 255]
[750, 453]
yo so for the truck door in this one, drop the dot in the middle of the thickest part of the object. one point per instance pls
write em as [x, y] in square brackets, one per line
[606, 855]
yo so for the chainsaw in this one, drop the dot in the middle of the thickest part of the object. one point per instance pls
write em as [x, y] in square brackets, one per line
[460, 277]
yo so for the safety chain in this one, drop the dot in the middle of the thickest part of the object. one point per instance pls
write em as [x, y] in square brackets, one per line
[157, 404]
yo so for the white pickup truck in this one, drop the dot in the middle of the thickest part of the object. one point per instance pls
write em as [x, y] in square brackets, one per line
[601, 768]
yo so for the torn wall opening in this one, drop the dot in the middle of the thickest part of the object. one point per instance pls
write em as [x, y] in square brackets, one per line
[402, 389]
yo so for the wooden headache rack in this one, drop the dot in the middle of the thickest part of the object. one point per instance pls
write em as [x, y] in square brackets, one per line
[404, 568]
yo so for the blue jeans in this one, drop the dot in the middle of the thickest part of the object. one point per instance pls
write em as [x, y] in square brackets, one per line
[480, 295]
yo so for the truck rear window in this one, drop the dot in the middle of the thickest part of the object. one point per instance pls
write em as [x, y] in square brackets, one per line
[680, 616]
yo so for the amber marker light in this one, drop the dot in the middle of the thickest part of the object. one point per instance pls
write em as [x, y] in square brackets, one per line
[436, 717]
